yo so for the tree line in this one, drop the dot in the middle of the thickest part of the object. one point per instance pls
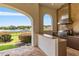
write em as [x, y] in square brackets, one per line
[14, 27]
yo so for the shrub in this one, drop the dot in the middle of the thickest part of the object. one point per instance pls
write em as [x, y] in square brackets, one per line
[6, 38]
[26, 38]
[1, 39]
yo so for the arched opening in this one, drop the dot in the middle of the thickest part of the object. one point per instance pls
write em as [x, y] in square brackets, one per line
[15, 27]
[47, 24]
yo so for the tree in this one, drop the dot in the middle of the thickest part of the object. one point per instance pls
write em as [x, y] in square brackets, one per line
[28, 27]
[12, 27]
[4, 27]
[21, 27]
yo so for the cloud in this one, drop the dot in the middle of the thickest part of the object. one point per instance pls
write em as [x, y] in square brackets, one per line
[10, 14]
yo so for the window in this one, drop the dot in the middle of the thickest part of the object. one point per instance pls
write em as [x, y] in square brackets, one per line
[47, 22]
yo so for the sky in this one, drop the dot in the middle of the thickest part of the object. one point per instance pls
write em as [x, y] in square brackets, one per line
[47, 20]
[12, 17]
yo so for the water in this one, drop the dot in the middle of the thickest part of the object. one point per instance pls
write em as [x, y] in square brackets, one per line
[15, 31]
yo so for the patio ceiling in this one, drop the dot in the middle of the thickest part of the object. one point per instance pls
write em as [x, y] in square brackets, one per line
[52, 5]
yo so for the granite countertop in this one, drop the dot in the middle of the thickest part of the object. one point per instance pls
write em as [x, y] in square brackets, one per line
[49, 36]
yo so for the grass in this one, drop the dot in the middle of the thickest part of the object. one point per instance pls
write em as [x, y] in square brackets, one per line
[5, 47]
[10, 45]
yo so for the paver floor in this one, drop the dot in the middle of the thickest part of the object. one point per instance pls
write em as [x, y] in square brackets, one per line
[23, 51]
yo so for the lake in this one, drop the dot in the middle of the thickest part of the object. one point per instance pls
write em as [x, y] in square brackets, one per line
[15, 31]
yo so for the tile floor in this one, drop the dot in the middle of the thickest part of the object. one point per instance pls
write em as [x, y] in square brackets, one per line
[23, 51]
[33, 51]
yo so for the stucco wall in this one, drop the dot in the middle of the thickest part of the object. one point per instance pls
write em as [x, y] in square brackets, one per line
[75, 16]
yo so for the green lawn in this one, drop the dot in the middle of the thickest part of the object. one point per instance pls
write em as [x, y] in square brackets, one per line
[5, 47]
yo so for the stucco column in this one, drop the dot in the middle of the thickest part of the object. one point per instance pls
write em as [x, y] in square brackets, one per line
[36, 28]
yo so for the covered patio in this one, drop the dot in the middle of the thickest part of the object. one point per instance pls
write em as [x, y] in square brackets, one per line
[58, 39]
